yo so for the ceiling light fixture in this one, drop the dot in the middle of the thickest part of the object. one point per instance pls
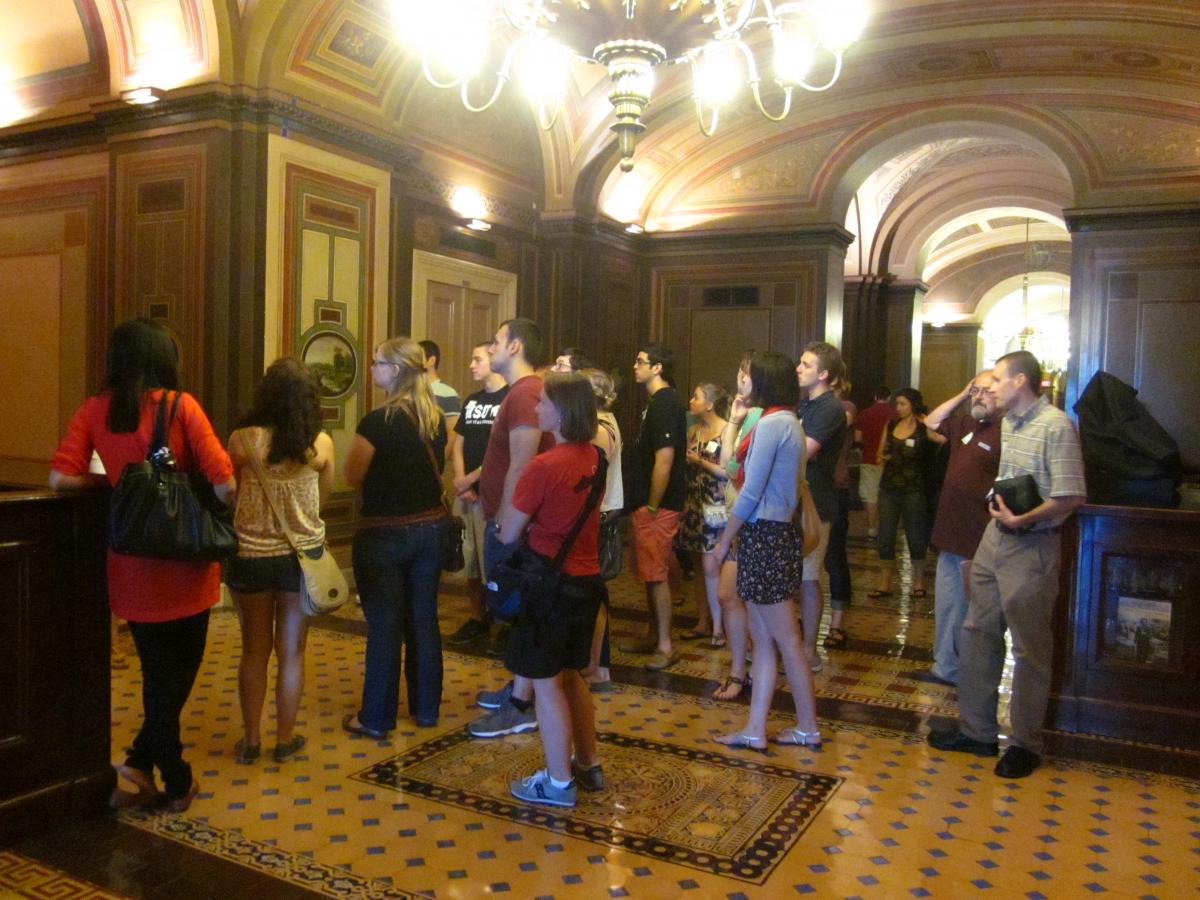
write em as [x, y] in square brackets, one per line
[634, 228]
[479, 225]
[538, 40]
[142, 96]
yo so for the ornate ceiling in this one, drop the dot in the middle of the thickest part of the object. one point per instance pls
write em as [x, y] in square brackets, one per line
[947, 113]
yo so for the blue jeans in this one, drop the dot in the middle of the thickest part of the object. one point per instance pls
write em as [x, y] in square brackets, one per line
[397, 570]
[949, 610]
[836, 562]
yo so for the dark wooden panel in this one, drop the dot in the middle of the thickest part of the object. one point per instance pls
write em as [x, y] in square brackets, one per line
[54, 709]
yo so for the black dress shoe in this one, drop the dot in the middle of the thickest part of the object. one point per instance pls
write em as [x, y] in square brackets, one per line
[927, 676]
[957, 742]
[348, 724]
[1017, 762]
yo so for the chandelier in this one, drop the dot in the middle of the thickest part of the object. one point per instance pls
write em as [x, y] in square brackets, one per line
[535, 42]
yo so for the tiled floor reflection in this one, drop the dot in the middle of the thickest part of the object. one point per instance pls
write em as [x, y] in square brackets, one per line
[874, 813]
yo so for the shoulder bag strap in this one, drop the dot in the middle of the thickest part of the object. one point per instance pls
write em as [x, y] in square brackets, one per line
[590, 504]
[437, 476]
[261, 474]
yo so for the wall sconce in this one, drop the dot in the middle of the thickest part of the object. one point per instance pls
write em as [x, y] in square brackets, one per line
[479, 225]
[142, 96]
[634, 228]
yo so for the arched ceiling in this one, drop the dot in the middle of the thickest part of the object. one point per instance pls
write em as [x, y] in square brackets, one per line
[1037, 104]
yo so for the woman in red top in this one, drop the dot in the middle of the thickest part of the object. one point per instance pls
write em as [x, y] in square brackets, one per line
[165, 601]
[549, 498]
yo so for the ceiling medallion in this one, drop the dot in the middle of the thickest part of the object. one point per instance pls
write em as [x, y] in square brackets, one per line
[535, 42]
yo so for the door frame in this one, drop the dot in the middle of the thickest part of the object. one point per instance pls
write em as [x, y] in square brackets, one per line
[433, 266]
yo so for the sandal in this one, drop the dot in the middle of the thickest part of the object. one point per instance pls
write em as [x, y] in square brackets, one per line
[288, 749]
[246, 754]
[919, 592]
[794, 737]
[147, 795]
[694, 634]
[717, 642]
[727, 685]
[742, 742]
[875, 595]
[835, 640]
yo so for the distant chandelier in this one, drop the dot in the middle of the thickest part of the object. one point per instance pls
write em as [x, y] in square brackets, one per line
[534, 40]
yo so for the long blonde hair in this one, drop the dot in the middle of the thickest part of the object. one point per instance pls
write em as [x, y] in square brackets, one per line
[412, 391]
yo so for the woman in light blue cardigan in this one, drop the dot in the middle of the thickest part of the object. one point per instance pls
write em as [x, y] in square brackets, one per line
[770, 555]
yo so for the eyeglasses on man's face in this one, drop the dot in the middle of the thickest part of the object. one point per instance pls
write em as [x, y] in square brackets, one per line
[641, 361]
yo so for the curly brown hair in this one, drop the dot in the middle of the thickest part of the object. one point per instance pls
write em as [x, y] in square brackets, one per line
[287, 402]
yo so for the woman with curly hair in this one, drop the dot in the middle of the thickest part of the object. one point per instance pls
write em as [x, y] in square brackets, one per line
[396, 463]
[282, 431]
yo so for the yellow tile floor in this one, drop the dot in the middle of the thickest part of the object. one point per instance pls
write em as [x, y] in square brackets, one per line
[874, 813]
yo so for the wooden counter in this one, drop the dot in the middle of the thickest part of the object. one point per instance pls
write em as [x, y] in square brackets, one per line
[54, 659]
[1128, 649]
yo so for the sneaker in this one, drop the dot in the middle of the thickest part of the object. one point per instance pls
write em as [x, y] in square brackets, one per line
[470, 630]
[505, 720]
[537, 788]
[815, 664]
[494, 699]
[590, 779]
[499, 642]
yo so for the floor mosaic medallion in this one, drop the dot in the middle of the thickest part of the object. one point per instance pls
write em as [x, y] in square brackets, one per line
[705, 810]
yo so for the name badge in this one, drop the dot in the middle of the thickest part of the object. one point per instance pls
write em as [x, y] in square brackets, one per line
[711, 446]
[968, 437]
[910, 442]
[983, 446]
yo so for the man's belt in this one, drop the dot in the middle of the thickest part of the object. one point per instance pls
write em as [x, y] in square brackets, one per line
[1023, 532]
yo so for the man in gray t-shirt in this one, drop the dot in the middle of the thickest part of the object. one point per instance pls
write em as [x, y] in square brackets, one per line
[447, 397]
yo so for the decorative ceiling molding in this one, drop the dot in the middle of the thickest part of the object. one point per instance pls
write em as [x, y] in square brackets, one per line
[163, 43]
[348, 47]
[44, 81]
[1139, 145]
[423, 184]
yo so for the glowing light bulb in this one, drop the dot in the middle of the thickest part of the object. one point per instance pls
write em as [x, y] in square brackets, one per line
[468, 203]
[718, 74]
[795, 46]
[542, 69]
[841, 22]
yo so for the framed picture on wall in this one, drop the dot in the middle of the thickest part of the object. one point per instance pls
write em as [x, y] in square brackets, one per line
[1141, 610]
[334, 361]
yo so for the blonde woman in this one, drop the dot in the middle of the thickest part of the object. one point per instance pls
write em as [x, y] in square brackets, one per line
[396, 463]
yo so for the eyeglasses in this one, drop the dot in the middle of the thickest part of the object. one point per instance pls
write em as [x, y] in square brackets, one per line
[383, 362]
[642, 362]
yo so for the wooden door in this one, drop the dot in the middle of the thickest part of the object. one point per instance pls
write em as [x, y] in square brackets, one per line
[458, 304]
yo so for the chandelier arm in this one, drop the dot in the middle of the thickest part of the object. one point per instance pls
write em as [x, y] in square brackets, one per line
[739, 22]
[708, 129]
[787, 102]
[502, 76]
[837, 71]
[536, 9]
[543, 123]
[432, 79]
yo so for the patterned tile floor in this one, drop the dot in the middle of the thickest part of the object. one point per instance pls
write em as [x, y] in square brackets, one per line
[874, 813]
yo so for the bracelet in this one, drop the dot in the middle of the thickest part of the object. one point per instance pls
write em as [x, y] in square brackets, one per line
[653, 510]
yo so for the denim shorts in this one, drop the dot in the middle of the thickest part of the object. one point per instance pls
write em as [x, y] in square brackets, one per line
[259, 574]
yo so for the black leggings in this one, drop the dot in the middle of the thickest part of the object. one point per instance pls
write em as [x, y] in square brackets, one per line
[170, 653]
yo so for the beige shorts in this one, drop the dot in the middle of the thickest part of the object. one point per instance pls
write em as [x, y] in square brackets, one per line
[472, 516]
[868, 482]
[812, 562]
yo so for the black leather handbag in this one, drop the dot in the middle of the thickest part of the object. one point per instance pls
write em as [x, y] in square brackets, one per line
[610, 544]
[160, 512]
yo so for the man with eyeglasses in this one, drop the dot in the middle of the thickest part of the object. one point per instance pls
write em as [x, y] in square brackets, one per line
[658, 496]
[974, 440]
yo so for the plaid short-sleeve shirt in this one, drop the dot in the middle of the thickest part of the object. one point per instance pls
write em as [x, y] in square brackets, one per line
[1043, 443]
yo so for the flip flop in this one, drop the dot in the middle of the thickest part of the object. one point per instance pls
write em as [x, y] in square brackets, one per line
[694, 634]
[718, 641]
[742, 683]
[836, 639]
[875, 595]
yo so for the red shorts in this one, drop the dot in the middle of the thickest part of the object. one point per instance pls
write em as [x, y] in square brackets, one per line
[653, 542]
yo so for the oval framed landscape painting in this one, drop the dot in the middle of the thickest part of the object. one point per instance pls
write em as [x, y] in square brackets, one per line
[334, 362]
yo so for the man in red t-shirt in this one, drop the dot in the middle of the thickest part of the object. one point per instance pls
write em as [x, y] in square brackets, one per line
[516, 354]
[868, 429]
[974, 440]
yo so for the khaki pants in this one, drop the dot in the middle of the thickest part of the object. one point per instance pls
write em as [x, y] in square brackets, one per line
[1014, 586]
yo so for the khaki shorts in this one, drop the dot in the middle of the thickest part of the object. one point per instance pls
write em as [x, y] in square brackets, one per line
[473, 522]
[653, 542]
[812, 562]
[868, 482]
